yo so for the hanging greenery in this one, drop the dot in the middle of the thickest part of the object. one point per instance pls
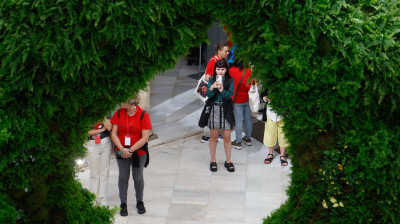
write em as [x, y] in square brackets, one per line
[65, 64]
[332, 68]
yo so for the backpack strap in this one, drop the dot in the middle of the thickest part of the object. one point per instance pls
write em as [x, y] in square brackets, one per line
[145, 147]
[141, 116]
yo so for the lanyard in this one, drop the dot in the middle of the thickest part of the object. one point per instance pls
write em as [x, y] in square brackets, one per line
[126, 119]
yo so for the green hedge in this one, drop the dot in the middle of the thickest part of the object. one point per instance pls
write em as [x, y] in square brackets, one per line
[333, 71]
[332, 68]
[64, 64]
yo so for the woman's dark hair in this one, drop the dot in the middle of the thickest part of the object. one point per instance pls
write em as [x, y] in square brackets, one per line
[220, 45]
[221, 64]
[238, 63]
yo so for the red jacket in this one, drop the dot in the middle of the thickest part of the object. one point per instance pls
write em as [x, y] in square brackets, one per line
[243, 94]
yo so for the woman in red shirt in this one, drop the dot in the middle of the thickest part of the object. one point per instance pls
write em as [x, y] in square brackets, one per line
[241, 107]
[130, 134]
[222, 53]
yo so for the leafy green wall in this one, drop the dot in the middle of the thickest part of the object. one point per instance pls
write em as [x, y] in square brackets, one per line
[332, 68]
[64, 64]
[333, 71]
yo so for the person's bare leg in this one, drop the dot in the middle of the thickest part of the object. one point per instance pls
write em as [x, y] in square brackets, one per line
[213, 143]
[226, 135]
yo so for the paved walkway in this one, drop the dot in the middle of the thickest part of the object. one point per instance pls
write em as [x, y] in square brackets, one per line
[179, 188]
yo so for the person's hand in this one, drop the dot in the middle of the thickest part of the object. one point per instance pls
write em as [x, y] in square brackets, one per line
[107, 124]
[214, 85]
[266, 99]
[221, 88]
[126, 152]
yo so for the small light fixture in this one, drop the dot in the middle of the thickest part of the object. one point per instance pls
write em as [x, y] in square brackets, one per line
[82, 162]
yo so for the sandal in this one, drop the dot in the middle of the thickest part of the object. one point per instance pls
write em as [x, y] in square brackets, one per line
[229, 167]
[284, 162]
[269, 160]
[213, 167]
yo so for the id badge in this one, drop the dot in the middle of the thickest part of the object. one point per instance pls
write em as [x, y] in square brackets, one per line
[97, 139]
[127, 140]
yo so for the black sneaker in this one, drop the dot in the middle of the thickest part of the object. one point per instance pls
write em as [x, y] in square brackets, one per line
[205, 139]
[247, 141]
[140, 207]
[236, 145]
[124, 209]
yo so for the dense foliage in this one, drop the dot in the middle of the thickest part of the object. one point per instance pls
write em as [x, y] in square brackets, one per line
[332, 68]
[65, 64]
[333, 71]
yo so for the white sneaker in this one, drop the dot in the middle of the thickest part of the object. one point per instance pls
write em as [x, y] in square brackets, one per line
[102, 201]
[236, 145]
[247, 141]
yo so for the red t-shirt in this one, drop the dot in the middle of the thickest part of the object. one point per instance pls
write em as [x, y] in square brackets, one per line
[132, 125]
[211, 65]
[243, 94]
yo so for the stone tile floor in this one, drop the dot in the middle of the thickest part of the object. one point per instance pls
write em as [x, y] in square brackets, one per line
[179, 188]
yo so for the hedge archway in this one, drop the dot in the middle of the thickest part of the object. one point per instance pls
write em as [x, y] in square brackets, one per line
[332, 68]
